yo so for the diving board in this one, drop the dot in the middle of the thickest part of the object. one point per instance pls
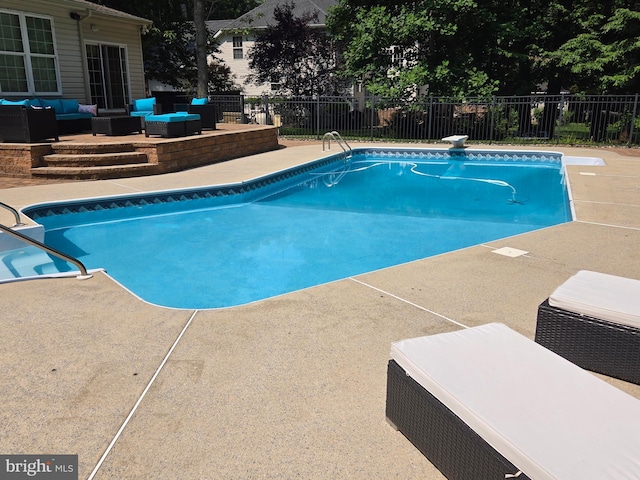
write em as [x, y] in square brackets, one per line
[456, 140]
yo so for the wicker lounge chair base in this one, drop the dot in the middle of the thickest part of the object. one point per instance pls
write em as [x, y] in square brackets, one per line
[603, 347]
[453, 448]
[593, 320]
[488, 403]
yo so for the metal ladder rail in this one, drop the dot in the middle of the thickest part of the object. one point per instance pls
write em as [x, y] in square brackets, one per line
[83, 271]
[15, 213]
[340, 141]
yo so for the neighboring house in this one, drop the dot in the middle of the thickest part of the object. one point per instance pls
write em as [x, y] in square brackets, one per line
[71, 49]
[237, 36]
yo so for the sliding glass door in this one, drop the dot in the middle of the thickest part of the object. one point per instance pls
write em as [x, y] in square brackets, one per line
[108, 75]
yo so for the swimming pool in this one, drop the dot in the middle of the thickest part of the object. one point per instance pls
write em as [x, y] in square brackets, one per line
[333, 218]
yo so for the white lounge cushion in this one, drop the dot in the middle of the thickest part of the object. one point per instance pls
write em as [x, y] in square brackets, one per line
[547, 416]
[612, 298]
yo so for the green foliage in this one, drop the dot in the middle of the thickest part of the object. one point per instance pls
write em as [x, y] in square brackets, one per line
[596, 48]
[448, 47]
[465, 47]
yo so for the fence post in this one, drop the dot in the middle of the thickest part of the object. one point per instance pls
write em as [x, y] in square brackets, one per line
[371, 127]
[430, 117]
[243, 115]
[318, 118]
[267, 117]
[633, 120]
[493, 115]
[560, 118]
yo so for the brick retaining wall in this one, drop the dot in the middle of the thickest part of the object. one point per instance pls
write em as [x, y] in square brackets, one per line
[170, 155]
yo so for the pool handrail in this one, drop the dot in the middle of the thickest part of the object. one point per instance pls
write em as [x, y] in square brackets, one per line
[340, 141]
[83, 270]
[15, 214]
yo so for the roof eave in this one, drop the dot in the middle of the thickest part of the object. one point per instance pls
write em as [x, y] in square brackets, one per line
[106, 12]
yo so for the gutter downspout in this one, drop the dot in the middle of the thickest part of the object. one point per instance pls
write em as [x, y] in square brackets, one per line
[83, 56]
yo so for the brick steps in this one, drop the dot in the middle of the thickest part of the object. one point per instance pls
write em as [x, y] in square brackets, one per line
[94, 162]
[90, 159]
[103, 157]
[100, 172]
[91, 148]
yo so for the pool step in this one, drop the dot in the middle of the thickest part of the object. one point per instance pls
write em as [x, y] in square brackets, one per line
[25, 262]
[100, 172]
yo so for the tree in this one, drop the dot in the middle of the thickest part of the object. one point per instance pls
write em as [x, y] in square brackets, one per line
[174, 43]
[301, 59]
[201, 35]
[604, 55]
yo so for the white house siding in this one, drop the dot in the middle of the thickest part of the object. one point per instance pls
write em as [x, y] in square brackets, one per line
[240, 68]
[71, 53]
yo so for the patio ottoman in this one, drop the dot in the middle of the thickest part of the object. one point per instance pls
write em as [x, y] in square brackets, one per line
[173, 124]
[593, 320]
[488, 403]
[119, 125]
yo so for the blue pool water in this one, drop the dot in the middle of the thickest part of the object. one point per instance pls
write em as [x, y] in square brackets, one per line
[229, 245]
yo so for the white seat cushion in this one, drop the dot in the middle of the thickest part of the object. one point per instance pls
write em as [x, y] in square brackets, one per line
[608, 297]
[550, 418]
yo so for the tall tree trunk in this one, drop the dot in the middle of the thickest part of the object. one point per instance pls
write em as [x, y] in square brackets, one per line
[201, 48]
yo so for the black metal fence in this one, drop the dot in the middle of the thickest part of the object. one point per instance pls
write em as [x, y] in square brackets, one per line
[553, 119]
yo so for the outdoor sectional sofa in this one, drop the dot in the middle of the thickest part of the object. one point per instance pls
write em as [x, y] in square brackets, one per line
[70, 115]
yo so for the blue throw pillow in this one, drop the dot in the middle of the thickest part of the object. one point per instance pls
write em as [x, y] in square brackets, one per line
[69, 106]
[200, 101]
[144, 104]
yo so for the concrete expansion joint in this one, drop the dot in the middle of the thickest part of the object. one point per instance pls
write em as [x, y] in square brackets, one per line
[404, 300]
[139, 401]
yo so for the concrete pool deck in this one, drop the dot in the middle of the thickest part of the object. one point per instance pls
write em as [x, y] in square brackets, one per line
[290, 387]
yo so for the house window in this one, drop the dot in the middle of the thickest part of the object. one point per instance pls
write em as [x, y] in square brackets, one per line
[108, 75]
[274, 83]
[28, 59]
[397, 56]
[237, 48]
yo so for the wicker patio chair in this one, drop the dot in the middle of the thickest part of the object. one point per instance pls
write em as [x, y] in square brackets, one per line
[21, 124]
[207, 112]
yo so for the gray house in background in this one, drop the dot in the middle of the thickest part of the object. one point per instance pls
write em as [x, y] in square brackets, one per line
[71, 49]
[237, 36]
